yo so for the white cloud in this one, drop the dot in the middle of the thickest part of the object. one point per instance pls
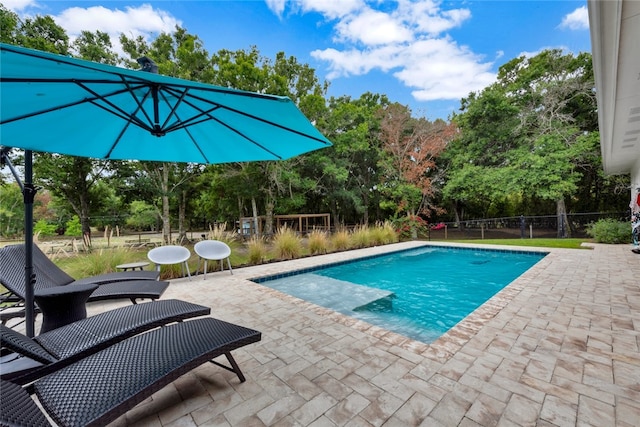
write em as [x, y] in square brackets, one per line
[408, 40]
[276, 6]
[331, 9]
[440, 69]
[576, 20]
[372, 28]
[427, 17]
[436, 69]
[142, 20]
[19, 5]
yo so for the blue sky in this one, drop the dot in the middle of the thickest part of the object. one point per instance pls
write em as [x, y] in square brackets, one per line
[426, 54]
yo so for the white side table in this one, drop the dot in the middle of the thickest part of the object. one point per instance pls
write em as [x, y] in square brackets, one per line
[132, 266]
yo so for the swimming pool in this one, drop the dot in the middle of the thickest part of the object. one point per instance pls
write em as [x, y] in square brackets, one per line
[420, 293]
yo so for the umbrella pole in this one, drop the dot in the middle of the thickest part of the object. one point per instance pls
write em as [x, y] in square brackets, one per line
[28, 193]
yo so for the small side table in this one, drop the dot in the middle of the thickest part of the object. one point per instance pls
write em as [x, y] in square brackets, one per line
[62, 305]
[132, 266]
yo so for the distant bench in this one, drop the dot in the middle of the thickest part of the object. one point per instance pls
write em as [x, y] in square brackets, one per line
[139, 242]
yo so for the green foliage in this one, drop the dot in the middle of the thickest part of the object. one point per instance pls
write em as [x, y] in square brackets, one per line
[523, 144]
[411, 226]
[11, 210]
[73, 227]
[142, 216]
[287, 244]
[100, 262]
[532, 133]
[609, 230]
[44, 228]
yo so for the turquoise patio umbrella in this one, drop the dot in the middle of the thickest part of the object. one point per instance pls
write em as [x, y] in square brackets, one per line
[58, 104]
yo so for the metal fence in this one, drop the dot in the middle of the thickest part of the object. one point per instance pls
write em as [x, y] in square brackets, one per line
[543, 226]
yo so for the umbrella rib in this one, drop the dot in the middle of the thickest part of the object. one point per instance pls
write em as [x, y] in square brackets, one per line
[205, 116]
[59, 107]
[251, 116]
[117, 111]
[207, 113]
[180, 95]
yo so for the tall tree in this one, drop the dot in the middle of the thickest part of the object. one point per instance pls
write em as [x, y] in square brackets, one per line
[529, 134]
[182, 55]
[348, 178]
[9, 25]
[280, 181]
[411, 146]
[73, 178]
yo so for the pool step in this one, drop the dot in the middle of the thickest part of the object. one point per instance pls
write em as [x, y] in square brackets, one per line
[341, 296]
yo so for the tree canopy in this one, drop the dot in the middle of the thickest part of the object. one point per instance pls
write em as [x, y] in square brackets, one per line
[526, 144]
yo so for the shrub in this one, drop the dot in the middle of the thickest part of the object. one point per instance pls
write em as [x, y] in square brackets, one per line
[341, 240]
[219, 232]
[286, 244]
[318, 242]
[102, 261]
[411, 226]
[142, 216]
[73, 227]
[361, 237]
[256, 250]
[43, 228]
[383, 233]
[610, 231]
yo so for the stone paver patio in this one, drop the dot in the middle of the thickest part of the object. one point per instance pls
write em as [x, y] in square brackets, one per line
[557, 347]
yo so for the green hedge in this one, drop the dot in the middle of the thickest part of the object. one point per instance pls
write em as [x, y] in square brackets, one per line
[610, 231]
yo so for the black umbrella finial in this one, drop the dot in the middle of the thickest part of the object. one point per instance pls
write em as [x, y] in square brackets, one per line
[148, 65]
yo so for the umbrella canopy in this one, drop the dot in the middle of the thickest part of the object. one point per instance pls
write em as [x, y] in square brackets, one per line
[58, 104]
[64, 105]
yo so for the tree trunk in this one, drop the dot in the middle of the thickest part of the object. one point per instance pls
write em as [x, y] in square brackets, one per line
[563, 223]
[254, 213]
[85, 223]
[459, 211]
[268, 220]
[182, 207]
[365, 214]
[166, 220]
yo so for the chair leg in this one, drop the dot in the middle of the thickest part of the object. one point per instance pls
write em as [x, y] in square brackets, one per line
[234, 366]
[186, 266]
[229, 264]
[205, 269]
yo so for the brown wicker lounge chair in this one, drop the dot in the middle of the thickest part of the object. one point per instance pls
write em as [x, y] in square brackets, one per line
[27, 359]
[99, 388]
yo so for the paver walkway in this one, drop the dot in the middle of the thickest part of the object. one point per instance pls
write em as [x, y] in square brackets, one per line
[557, 347]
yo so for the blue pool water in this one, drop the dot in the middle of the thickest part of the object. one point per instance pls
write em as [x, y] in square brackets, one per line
[419, 293]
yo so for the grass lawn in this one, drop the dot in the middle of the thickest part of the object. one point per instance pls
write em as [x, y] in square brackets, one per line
[542, 243]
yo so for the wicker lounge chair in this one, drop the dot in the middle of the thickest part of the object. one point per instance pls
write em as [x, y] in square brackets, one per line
[45, 267]
[49, 275]
[27, 359]
[105, 385]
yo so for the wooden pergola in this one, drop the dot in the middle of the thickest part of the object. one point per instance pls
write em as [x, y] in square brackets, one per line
[301, 223]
